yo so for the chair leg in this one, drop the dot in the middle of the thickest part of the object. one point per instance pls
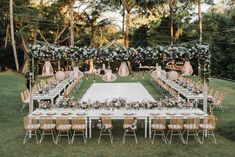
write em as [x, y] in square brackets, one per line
[186, 142]
[42, 136]
[72, 140]
[84, 137]
[221, 107]
[100, 136]
[154, 133]
[36, 136]
[110, 135]
[170, 132]
[164, 137]
[22, 107]
[213, 137]
[196, 136]
[58, 137]
[68, 137]
[181, 137]
[203, 136]
[124, 137]
[135, 137]
[26, 137]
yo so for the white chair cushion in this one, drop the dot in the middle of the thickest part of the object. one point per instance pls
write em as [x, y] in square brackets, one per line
[126, 126]
[206, 126]
[158, 126]
[47, 126]
[190, 126]
[108, 126]
[177, 126]
[78, 126]
[32, 126]
[64, 127]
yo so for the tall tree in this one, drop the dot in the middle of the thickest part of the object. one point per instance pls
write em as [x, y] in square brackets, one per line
[128, 5]
[12, 36]
[71, 3]
[200, 20]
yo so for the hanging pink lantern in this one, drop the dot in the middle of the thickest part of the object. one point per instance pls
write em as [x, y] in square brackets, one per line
[77, 73]
[60, 75]
[47, 69]
[187, 69]
[123, 70]
[173, 75]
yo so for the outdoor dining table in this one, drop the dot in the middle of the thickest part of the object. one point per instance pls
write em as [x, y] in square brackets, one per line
[117, 114]
[53, 93]
[189, 95]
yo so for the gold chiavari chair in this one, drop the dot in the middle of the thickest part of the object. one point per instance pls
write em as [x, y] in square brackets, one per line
[191, 128]
[129, 126]
[159, 125]
[207, 128]
[47, 126]
[63, 127]
[79, 127]
[106, 128]
[176, 127]
[31, 126]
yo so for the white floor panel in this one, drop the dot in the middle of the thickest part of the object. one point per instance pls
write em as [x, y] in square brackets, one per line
[109, 91]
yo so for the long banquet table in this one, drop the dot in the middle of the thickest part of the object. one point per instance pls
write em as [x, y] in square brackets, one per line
[55, 92]
[93, 114]
[189, 95]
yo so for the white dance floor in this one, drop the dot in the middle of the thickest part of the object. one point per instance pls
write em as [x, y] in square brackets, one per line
[109, 91]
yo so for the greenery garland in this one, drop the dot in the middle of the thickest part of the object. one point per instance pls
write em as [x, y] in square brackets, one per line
[137, 55]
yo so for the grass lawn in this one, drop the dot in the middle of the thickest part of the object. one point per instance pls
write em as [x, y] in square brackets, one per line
[12, 132]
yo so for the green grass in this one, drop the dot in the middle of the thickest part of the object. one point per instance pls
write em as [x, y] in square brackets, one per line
[11, 125]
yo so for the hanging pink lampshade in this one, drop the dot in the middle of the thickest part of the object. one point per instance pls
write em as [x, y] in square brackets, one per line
[173, 75]
[187, 69]
[158, 72]
[123, 70]
[47, 69]
[60, 75]
[77, 73]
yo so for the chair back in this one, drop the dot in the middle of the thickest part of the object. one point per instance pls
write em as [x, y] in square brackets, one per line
[22, 97]
[62, 121]
[28, 121]
[221, 97]
[211, 92]
[78, 121]
[193, 120]
[46, 120]
[106, 120]
[210, 120]
[25, 94]
[159, 120]
[177, 120]
[128, 120]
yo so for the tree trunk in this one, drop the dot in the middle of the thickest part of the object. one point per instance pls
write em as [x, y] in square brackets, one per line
[93, 27]
[6, 38]
[71, 24]
[127, 28]
[200, 20]
[12, 36]
[25, 46]
[171, 22]
[123, 28]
